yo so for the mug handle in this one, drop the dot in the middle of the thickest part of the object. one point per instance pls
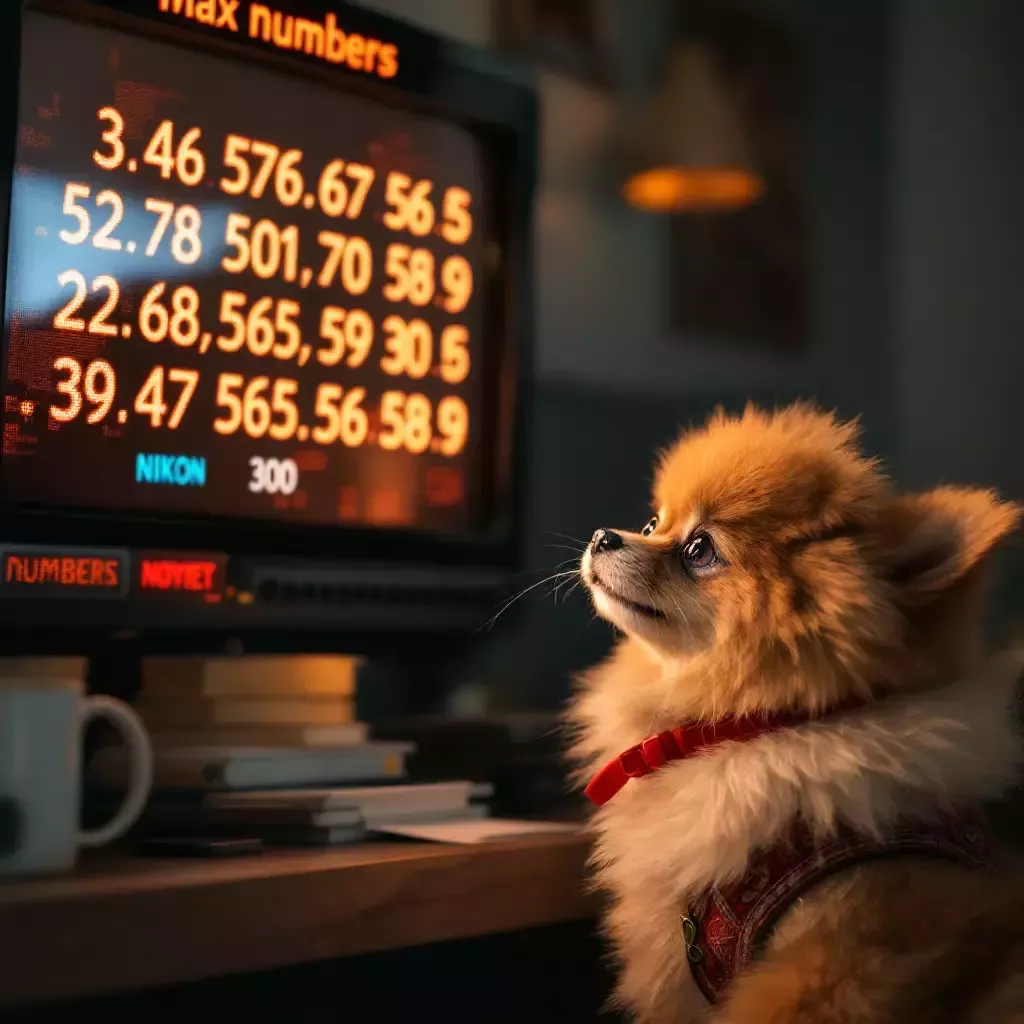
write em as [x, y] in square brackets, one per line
[130, 726]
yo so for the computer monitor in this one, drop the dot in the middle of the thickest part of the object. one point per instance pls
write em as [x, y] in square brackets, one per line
[267, 336]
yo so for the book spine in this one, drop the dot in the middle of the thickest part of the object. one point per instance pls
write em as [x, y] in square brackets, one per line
[161, 713]
[251, 676]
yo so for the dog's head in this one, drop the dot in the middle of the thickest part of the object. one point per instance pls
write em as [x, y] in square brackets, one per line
[779, 553]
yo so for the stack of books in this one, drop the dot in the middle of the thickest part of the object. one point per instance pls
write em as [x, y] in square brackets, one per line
[270, 747]
[315, 816]
[256, 701]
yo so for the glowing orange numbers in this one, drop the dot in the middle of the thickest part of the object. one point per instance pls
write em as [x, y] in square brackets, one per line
[411, 209]
[343, 188]
[349, 261]
[408, 422]
[262, 247]
[181, 157]
[96, 384]
[413, 343]
[149, 402]
[267, 327]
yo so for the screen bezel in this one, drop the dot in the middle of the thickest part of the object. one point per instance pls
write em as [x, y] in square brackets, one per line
[438, 78]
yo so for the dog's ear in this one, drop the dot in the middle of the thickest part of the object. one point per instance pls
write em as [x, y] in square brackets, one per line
[933, 540]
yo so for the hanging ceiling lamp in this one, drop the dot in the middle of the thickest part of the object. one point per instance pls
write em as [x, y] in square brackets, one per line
[724, 92]
[692, 152]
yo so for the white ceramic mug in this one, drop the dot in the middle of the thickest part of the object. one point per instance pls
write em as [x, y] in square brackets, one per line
[42, 719]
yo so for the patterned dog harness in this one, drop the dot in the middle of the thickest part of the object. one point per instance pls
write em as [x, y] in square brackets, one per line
[727, 926]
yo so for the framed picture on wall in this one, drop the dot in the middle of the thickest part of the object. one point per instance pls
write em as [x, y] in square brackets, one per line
[569, 36]
[741, 275]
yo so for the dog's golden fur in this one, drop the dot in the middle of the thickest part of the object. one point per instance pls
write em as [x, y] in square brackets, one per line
[822, 584]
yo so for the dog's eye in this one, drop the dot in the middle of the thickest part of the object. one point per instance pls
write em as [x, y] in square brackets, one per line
[652, 525]
[700, 551]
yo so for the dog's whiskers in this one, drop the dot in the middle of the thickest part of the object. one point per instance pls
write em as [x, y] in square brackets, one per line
[568, 547]
[569, 537]
[526, 590]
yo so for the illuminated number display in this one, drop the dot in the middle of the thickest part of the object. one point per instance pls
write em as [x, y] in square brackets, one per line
[203, 269]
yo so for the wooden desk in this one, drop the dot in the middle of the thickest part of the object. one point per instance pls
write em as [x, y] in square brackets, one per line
[122, 923]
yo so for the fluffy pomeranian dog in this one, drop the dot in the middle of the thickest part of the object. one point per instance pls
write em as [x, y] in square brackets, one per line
[791, 741]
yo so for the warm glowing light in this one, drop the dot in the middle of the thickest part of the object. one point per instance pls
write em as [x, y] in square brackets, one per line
[325, 39]
[178, 574]
[682, 189]
[59, 570]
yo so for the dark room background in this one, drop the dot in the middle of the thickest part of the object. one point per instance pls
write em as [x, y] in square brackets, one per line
[913, 164]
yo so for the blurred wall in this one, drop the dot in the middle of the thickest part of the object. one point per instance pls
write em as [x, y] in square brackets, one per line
[849, 214]
[959, 213]
[914, 156]
[469, 21]
[600, 278]
[613, 383]
[958, 216]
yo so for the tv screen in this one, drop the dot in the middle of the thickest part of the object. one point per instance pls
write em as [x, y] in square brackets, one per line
[240, 293]
[266, 339]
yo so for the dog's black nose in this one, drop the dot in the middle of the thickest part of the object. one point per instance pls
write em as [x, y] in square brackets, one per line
[605, 540]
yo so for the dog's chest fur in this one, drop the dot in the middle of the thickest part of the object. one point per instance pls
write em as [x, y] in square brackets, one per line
[664, 838]
[637, 857]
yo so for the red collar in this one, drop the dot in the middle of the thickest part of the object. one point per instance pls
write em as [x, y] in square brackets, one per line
[687, 740]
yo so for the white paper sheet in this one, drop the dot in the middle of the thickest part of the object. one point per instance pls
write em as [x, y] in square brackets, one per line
[479, 831]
